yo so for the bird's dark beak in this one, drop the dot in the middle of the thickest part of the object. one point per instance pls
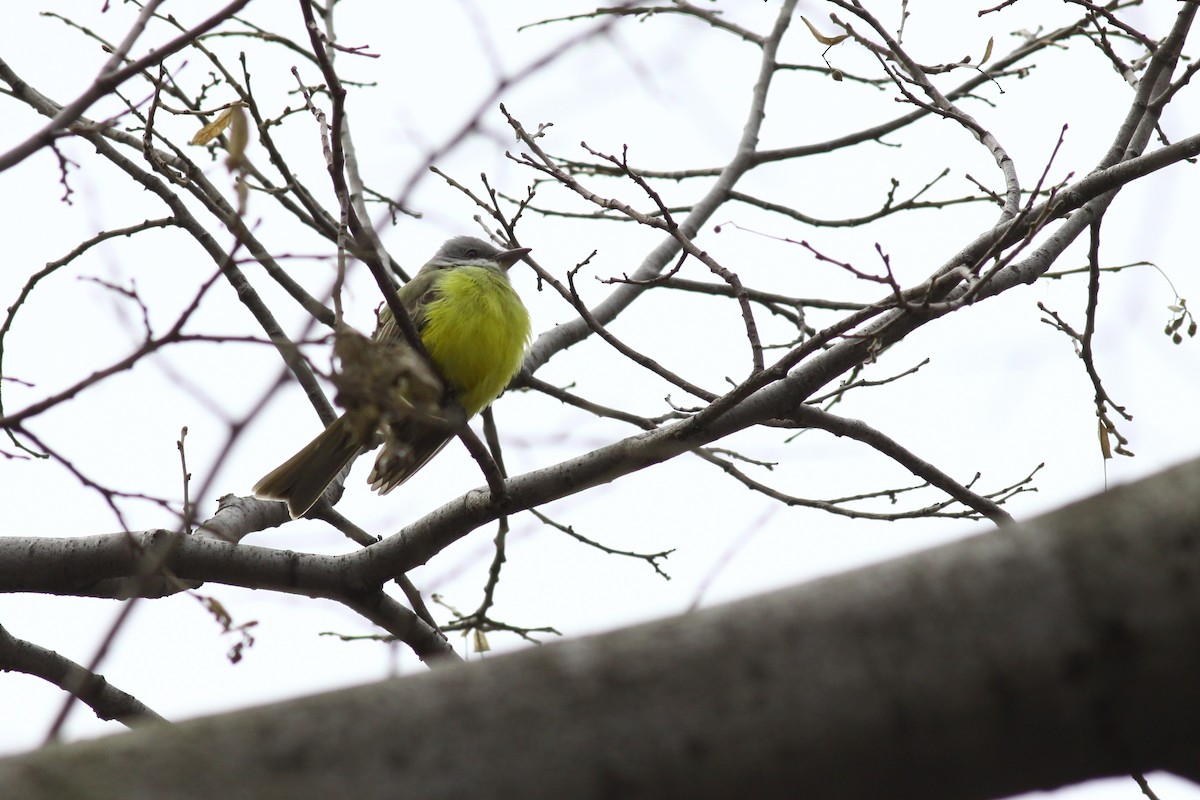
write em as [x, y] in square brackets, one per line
[507, 258]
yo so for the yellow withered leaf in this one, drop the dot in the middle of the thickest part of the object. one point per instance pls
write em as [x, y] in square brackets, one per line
[1105, 444]
[988, 52]
[820, 37]
[215, 128]
[239, 136]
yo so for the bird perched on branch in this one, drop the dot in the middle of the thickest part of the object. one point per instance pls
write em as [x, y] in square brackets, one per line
[473, 327]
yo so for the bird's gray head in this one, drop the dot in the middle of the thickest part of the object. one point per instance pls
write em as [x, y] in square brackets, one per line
[469, 250]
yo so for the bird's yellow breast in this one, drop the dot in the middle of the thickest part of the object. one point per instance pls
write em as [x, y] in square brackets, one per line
[476, 331]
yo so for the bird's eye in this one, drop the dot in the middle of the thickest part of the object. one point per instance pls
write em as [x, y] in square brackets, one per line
[472, 253]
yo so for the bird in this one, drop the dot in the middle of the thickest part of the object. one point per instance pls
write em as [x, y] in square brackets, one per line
[474, 329]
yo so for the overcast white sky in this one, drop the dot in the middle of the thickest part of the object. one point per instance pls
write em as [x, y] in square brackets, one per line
[1002, 393]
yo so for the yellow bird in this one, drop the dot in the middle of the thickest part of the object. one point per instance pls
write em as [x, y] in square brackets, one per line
[475, 329]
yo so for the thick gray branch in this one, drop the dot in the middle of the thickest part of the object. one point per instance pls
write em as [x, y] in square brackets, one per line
[159, 563]
[109, 702]
[1040, 655]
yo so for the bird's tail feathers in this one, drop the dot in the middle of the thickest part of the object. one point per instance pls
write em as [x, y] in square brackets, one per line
[411, 444]
[302, 479]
